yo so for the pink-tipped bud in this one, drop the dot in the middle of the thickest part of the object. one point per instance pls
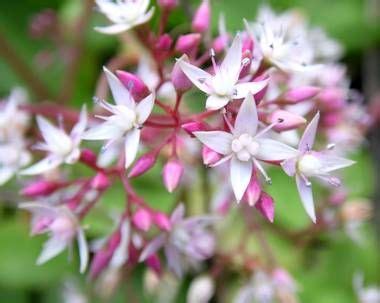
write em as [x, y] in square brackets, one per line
[40, 188]
[265, 205]
[153, 262]
[180, 81]
[134, 84]
[172, 173]
[300, 94]
[220, 43]
[253, 192]
[331, 119]
[188, 44]
[168, 4]
[143, 164]
[142, 219]
[209, 156]
[260, 95]
[100, 181]
[195, 126]
[332, 99]
[248, 44]
[162, 221]
[202, 17]
[164, 43]
[88, 157]
[286, 120]
[246, 60]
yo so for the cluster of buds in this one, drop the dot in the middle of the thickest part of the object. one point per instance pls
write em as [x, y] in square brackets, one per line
[269, 94]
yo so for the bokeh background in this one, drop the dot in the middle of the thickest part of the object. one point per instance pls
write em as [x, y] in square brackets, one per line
[324, 272]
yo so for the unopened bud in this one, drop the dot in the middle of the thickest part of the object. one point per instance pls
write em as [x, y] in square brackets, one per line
[168, 4]
[195, 126]
[153, 262]
[265, 205]
[40, 188]
[135, 85]
[180, 81]
[332, 99]
[164, 43]
[286, 120]
[201, 290]
[209, 156]
[162, 221]
[300, 94]
[188, 44]
[142, 219]
[202, 17]
[143, 164]
[220, 43]
[253, 191]
[100, 181]
[87, 156]
[172, 173]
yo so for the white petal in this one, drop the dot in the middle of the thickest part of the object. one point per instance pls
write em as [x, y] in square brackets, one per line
[112, 29]
[42, 166]
[6, 173]
[53, 135]
[83, 251]
[174, 260]
[271, 150]
[78, 129]
[52, 248]
[196, 75]
[104, 131]
[120, 93]
[152, 247]
[39, 208]
[332, 162]
[243, 89]
[131, 146]
[240, 175]
[145, 18]
[120, 255]
[144, 108]
[308, 137]
[306, 196]
[231, 64]
[247, 120]
[289, 166]
[177, 214]
[218, 141]
[216, 102]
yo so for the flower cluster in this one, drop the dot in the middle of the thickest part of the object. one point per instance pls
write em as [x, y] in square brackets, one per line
[269, 98]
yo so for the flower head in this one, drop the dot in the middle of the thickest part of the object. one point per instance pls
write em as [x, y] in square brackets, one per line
[125, 121]
[124, 14]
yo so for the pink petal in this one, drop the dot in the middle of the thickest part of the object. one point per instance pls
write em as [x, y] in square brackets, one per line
[247, 120]
[308, 137]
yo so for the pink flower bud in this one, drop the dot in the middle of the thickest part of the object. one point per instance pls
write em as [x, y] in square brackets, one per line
[172, 173]
[188, 44]
[253, 192]
[162, 221]
[168, 4]
[40, 188]
[209, 156]
[246, 59]
[332, 99]
[287, 120]
[153, 262]
[88, 157]
[220, 43]
[164, 43]
[265, 205]
[135, 85]
[194, 127]
[300, 94]
[142, 219]
[202, 17]
[143, 164]
[260, 95]
[331, 119]
[248, 44]
[180, 81]
[100, 181]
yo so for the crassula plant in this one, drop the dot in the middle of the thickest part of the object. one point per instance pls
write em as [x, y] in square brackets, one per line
[271, 98]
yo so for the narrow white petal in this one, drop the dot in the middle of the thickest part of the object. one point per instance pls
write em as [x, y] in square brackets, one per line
[6, 173]
[145, 18]
[231, 64]
[53, 135]
[215, 102]
[42, 166]
[144, 108]
[52, 247]
[178, 214]
[246, 121]
[218, 141]
[120, 255]
[240, 175]
[78, 129]
[174, 260]
[308, 137]
[120, 93]
[152, 247]
[39, 208]
[83, 251]
[104, 131]
[113, 29]
[331, 162]
[271, 150]
[196, 75]
[243, 89]
[131, 146]
[306, 196]
[289, 166]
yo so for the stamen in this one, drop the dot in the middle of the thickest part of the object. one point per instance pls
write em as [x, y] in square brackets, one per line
[214, 65]
[268, 128]
[306, 180]
[103, 104]
[330, 146]
[262, 171]
[221, 161]
[61, 122]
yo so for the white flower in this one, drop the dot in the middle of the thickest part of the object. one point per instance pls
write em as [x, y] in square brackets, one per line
[223, 86]
[368, 294]
[244, 146]
[124, 14]
[60, 146]
[62, 226]
[126, 119]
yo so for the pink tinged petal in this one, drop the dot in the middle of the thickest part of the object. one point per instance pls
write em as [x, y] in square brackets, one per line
[174, 260]
[243, 89]
[306, 196]
[246, 121]
[210, 156]
[331, 162]
[42, 166]
[120, 256]
[131, 146]
[144, 108]
[196, 75]
[253, 192]
[137, 87]
[218, 141]
[231, 64]
[104, 131]
[308, 137]
[52, 247]
[265, 206]
[120, 93]
[78, 129]
[271, 150]
[240, 175]
[215, 102]
[290, 166]
[113, 29]
[152, 247]
[178, 214]
[83, 250]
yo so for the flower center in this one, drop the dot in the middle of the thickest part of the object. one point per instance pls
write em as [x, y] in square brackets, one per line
[221, 86]
[309, 165]
[245, 147]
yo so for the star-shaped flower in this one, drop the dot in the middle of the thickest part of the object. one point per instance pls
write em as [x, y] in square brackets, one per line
[60, 146]
[125, 121]
[244, 146]
[309, 163]
[223, 86]
[124, 14]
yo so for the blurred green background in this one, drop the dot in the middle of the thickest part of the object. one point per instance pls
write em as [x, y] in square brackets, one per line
[326, 271]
